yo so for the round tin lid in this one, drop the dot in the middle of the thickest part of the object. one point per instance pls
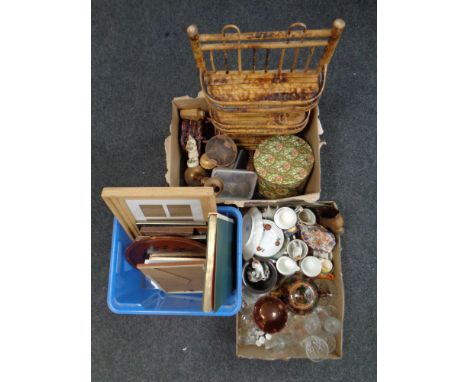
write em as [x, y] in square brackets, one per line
[284, 160]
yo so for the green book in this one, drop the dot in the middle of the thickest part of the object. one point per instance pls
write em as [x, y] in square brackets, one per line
[224, 260]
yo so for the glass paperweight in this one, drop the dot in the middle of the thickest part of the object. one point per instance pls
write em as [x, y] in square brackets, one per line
[331, 325]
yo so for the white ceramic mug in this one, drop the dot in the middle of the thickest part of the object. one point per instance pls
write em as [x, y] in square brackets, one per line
[311, 266]
[305, 216]
[286, 266]
[285, 218]
[297, 249]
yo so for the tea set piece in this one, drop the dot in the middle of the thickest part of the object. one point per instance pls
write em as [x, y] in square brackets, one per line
[259, 281]
[327, 265]
[272, 240]
[286, 266]
[300, 294]
[252, 231]
[318, 238]
[285, 218]
[305, 216]
[270, 314]
[297, 249]
[311, 266]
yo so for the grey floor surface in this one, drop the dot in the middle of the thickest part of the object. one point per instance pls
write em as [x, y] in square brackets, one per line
[141, 59]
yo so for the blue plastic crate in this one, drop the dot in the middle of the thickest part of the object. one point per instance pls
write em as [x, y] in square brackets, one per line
[131, 293]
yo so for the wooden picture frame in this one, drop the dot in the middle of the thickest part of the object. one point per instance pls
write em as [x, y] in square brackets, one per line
[131, 204]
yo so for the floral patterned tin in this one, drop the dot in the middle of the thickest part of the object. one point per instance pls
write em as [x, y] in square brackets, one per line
[283, 163]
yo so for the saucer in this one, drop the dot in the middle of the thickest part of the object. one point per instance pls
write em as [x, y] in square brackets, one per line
[272, 240]
[252, 229]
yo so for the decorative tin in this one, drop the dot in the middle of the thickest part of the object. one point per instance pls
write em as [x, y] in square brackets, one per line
[283, 164]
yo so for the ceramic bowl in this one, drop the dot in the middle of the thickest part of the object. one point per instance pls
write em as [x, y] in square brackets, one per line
[311, 266]
[285, 218]
[260, 286]
[270, 314]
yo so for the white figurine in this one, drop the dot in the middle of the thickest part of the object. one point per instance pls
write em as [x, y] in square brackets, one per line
[258, 272]
[192, 151]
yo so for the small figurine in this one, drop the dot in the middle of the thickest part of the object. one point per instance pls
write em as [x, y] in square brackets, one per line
[192, 151]
[259, 272]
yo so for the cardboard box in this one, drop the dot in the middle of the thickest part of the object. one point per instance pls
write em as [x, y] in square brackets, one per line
[255, 352]
[311, 133]
[176, 165]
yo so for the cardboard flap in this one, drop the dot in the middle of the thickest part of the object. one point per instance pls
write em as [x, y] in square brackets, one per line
[152, 204]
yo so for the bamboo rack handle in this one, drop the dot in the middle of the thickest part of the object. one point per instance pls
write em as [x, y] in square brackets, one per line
[230, 26]
[192, 32]
[337, 30]
[301, 25]
[239, 54]
[296, 51]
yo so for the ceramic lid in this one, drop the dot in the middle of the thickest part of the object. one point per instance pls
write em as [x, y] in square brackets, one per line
[284, 160]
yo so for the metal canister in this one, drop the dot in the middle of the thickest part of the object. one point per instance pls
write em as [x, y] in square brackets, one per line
[283, 163]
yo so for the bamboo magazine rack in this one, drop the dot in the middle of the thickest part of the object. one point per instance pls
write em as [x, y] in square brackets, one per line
[276, 80]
